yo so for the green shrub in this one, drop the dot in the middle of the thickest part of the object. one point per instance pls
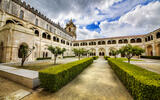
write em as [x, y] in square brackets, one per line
[68, 56]
[151, 57]
[54, 78]
[106, 57]
[43, 58]
[95, 57]
[141, 83]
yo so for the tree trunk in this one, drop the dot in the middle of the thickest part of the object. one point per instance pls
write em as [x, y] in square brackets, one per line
[55, 58]
[22, 62]
[129, 60]
[79, 57]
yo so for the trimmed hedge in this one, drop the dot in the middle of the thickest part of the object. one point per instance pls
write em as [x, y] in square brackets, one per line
[95, 57]
[151, 57]
[141, 83]
[54, 78]
[43, 58]
[68, 56]
[106, 57]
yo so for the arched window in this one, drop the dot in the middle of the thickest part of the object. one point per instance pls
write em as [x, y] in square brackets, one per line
[120, 41]
[36, 22]
[103, 42]
[36, 32]
[46, 54]
[57, 39]
[48, 37]
[44, 35]
[114, 42]
[21, 14]
[158, 35]
[139, 40]
[21, 51]
[81, 44]
[149, 38]
[54, 38]
[125, 41]
[109, 42]
[9, 21]
[90, 43]
[146, 39]
[133, 41]
[99, 42]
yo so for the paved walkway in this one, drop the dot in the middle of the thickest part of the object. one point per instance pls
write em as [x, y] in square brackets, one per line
[97, 82]
[149, 64]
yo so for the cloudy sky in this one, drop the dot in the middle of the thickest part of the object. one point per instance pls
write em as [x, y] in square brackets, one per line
[103, 18]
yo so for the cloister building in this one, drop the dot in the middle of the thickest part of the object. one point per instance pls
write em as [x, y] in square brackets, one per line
[21, 24]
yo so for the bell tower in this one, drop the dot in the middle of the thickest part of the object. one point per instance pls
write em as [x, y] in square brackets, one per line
[71, 29]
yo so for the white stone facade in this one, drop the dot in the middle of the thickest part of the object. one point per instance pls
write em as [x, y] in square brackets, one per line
[21, 24]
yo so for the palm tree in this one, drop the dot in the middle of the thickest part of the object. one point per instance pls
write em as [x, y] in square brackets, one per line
[55, 51]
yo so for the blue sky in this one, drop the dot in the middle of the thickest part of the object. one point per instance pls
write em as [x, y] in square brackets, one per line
[103, 18]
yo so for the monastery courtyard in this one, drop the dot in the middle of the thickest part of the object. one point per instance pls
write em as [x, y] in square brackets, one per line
[97, 82]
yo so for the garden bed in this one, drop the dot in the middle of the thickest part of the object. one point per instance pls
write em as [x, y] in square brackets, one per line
[141, 83]
[54, 78]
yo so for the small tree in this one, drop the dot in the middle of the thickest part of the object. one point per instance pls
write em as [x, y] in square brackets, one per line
[79, 52]
[114, 52]
[129, 51]
[24, 53]
[55, 51]
[63, 50]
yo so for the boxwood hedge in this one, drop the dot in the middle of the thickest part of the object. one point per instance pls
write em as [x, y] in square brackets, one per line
[95, 57]
[43, 58]
[142, 84]
[54, 78]
[151, 57]
[106, 57]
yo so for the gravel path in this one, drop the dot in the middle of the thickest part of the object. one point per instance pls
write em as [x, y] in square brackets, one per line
[97, 82]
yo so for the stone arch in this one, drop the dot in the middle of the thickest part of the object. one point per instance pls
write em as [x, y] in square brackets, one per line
[158, 35]
[48, 36]
[10, 21]
[99, 43]
[158, 49]
[21, 47]
[109, 42]
[133, 41]
[103, 42]
[120, 41]
[101, 51]
[149, 50]
[93, 52]
[44, 35]
[138, 40]
[113, 41]
[125, 41]
[36, 32]
[1, 50]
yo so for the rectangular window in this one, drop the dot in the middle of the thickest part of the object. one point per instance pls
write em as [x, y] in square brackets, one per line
[36, 22]
[21, 14]
[47, 26]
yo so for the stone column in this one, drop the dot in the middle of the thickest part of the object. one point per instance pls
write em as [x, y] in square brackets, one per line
[154, 50]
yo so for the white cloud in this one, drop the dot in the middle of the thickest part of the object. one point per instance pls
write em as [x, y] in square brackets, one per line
[142, 19]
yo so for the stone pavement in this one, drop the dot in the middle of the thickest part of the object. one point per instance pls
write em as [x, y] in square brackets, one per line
[97, 82]
[149, 64]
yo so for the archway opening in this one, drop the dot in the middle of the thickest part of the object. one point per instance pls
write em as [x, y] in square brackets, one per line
[149, 50]
[22, 50]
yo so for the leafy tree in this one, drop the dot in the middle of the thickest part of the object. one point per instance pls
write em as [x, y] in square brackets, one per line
[24, 53]
[79, 52]
[63, 50]
[55, 51]
[114, 52]
[129, 51]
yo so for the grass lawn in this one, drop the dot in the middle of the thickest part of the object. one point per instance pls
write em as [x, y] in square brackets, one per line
[35, 67]
[125, 59]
